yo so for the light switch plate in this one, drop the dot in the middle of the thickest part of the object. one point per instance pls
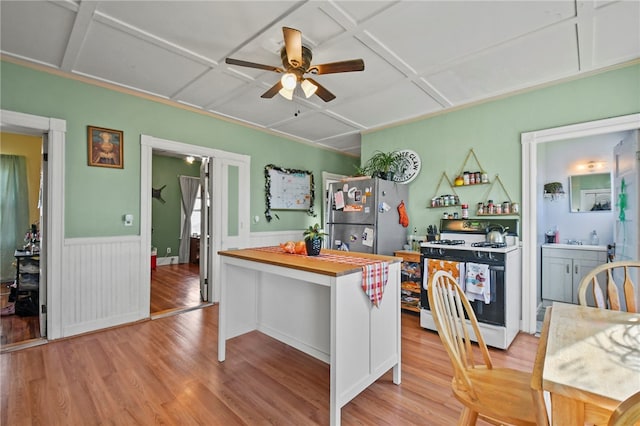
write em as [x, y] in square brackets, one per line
[128, 220]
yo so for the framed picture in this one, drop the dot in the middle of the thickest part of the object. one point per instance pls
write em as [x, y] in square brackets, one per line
[105, 147]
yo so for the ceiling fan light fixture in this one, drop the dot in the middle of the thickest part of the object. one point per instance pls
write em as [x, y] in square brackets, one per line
[289, 81]
[287, 94]
[308, 88]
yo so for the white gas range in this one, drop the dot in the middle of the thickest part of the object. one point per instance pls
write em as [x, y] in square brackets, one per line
[462, 248]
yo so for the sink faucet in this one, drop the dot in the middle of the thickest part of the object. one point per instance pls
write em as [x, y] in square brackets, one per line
[574, 242]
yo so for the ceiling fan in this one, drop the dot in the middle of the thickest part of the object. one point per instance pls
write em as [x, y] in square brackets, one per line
[296, 60]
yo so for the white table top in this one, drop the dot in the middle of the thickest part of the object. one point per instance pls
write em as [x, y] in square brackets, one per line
[592, 354]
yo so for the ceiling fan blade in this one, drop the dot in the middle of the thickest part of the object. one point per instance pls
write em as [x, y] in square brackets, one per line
[293, 45]
[272, 92]
[335, 67]
[322, 92]
[238, 62]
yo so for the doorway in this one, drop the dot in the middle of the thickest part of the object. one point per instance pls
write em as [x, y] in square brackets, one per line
[228, 179]
[52, 131]
[21, 174]
[532, 236]
[176, 278]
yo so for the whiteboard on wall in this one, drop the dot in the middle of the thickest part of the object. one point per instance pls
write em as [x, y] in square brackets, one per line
[289, 189]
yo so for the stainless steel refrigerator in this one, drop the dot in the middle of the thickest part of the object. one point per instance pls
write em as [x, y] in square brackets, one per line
[364, 217]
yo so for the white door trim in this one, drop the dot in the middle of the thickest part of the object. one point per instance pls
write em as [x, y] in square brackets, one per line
[147, 145]
[530, 198]
[55, 129]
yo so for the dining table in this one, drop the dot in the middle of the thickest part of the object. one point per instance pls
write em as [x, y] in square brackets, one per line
[590, 361]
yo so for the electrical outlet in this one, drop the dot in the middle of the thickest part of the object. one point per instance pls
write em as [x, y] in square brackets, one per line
[168, 250]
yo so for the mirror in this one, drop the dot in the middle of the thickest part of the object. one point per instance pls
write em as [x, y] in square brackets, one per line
[590, 193]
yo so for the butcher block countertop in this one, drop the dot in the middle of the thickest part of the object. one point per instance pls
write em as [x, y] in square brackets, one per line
[329, 262]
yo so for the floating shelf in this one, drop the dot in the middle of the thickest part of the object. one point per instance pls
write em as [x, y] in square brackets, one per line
[444, 178]
[508, 198]
[480, 169]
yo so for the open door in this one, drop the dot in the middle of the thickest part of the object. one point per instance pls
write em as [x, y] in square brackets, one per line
[626, 186]
[230, 183]
[42, 201]
[626, 179]
[205, 226]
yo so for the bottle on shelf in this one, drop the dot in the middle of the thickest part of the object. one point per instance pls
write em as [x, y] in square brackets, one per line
[595, 240]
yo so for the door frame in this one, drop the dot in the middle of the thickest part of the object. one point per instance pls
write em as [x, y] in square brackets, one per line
[54, 130]
[531, 198]
[217, 182]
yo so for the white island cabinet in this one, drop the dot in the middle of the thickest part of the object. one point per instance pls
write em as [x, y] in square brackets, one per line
[318, 306]
[564, 266]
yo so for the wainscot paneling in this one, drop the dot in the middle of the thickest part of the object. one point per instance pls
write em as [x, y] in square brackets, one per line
[101, 283]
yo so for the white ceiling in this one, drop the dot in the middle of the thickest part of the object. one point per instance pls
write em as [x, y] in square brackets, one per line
[421, 57]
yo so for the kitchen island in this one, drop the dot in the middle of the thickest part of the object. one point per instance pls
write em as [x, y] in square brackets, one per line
[317, 305]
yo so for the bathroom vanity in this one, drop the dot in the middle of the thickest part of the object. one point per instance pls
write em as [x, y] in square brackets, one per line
[564, 265]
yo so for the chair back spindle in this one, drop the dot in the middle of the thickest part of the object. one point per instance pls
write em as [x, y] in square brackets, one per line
[590, 283]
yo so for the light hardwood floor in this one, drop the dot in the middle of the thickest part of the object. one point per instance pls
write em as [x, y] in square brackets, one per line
[173, 287]
[15, 328]
[165, 371]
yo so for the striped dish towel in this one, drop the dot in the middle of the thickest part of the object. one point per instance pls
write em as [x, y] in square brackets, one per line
[374, 279]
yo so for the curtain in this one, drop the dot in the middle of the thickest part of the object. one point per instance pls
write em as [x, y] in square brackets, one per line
[189, 187]
[14, 211]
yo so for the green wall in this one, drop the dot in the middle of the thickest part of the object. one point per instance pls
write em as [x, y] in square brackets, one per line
[493, 130]
[165, 217]
[96, 198]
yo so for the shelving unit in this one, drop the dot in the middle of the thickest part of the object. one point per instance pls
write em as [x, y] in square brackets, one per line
[444, 178]
[410, 280]
[508, 199]
[479, 168]
[27, 275]
[471, 155]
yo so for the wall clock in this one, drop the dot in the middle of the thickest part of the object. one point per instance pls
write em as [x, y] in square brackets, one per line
[410, 165]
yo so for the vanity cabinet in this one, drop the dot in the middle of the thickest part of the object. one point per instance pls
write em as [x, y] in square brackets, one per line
[564, 266]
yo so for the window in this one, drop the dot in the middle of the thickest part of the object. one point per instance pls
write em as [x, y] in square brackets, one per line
[196, 215]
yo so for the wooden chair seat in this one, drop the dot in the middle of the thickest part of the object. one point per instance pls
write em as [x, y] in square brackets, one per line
[606, 294]
[503, 394]
[498, 395]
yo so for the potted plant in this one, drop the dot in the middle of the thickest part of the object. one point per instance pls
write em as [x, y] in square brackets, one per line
[384, 164]
[360, 171]
[313, 237]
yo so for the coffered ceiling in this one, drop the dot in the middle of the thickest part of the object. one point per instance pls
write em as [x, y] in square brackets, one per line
[421, 57]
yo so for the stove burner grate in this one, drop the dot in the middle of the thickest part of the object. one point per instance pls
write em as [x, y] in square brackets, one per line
[449, 242]
[488, 244]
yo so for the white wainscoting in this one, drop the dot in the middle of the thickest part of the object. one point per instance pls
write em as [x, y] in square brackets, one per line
[101, 280]
[101, 283]
[263, 239]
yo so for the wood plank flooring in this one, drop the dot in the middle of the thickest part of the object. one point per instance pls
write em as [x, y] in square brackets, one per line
[14, 328]
[165, 371]
[173, 287]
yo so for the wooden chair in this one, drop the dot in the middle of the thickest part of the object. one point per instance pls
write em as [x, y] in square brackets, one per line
[497, 395]
[627, 413]
[591, 281]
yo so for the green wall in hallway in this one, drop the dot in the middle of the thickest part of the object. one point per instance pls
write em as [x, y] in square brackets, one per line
[165, 217]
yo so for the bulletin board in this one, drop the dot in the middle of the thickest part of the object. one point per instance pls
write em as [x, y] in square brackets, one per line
[288, 189]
